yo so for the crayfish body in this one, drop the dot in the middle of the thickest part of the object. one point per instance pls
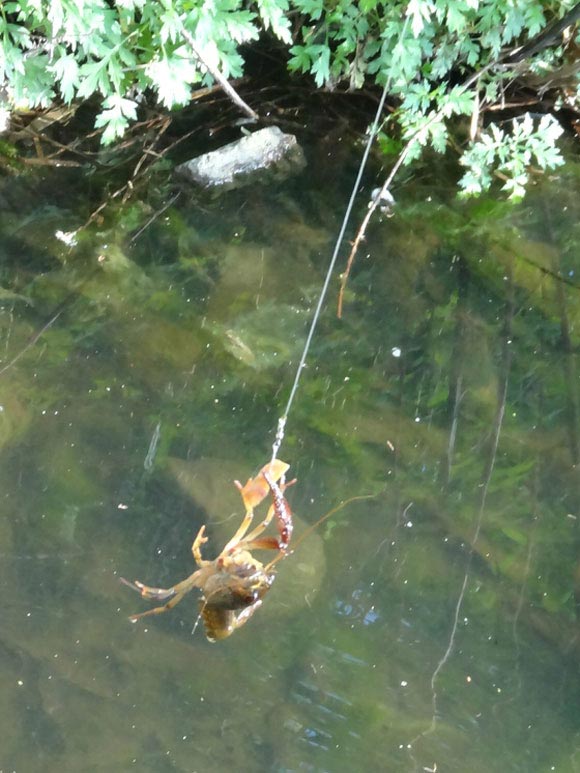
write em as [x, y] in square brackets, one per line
[234, 584]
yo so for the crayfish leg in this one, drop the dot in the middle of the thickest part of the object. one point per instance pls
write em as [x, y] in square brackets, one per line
[149, 593]
[158, 610]
[200, 540]
[261, 543]
[240, 533]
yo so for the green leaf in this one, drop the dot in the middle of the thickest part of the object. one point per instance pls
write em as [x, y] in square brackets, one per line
[456, 18]
[127, 56]
[171, 78]
[511, 154]
[273, 14]
[171, 26]
[93, 78]
[116, 116]
[240, 26]
[311, 8]
[513, 25]
[300, 59]
[534, 16]
[458, 102]
[320, 64]
[420, 12]
[66, 70]
[115, 72]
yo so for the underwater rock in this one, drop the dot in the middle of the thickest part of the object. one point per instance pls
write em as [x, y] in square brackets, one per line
[262, 156]
[210, 484]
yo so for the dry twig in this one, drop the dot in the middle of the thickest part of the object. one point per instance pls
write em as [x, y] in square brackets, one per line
[216, 74]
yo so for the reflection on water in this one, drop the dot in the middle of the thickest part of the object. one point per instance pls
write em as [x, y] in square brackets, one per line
[430, 627]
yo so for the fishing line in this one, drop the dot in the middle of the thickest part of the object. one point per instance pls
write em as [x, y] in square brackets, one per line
[372, 134]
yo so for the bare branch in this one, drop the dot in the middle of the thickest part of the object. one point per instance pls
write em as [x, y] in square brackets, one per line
[216, 74]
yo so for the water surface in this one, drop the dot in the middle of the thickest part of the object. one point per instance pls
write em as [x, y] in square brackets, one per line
[432, 626]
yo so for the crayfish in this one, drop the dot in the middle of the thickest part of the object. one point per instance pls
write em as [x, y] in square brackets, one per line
[234, 584]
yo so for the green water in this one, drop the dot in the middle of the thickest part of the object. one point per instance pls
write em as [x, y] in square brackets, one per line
[433, 626]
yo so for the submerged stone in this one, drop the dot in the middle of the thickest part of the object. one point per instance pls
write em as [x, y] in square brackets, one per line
[262, 156]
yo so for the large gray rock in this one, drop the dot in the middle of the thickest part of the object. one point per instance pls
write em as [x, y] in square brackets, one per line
[264, 155]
